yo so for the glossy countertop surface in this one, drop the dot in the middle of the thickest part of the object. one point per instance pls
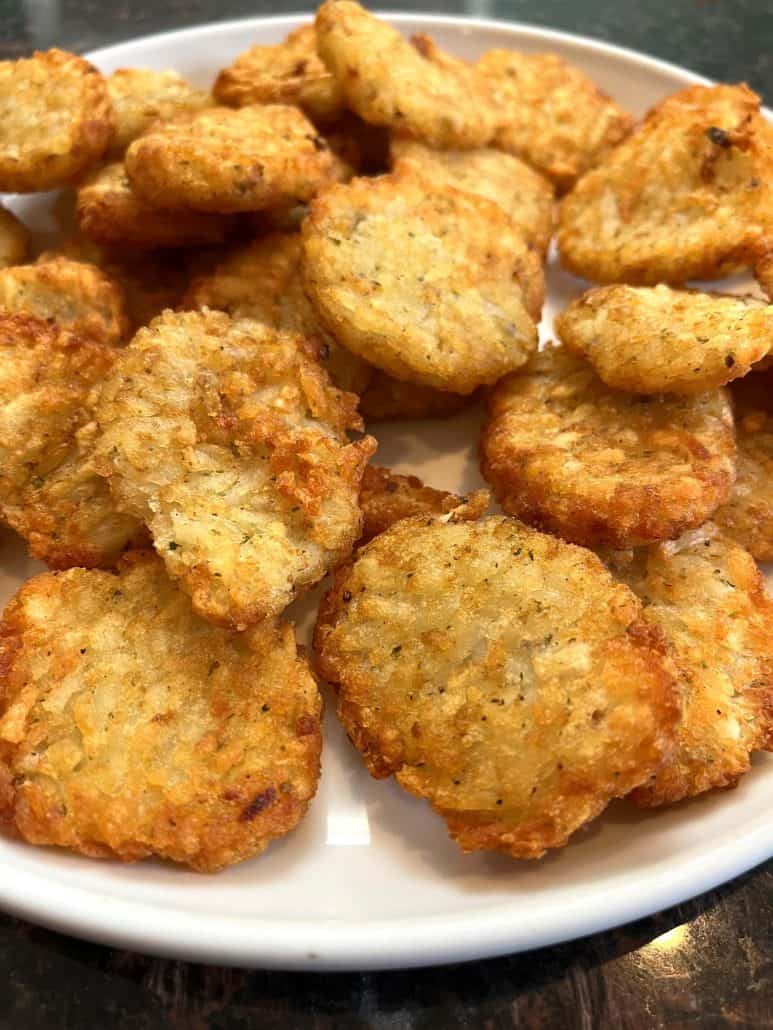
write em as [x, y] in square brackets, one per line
[707, 963]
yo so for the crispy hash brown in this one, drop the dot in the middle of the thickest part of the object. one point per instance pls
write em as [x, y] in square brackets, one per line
[499, 673]
[435, 287]
[521, 192]
[14, 239]
[129, 727]
[111, 213]
[228, 440]
[77, 296]
[225, 160]
[142, 96]
[706, 594]
[55, 120]
[688, 196]
[567, 454]
[748, 515]
[412, 87]
[262, 280]
[551, 114]
[49, 491]
[290, 72]
[386, 498]
[659, 340]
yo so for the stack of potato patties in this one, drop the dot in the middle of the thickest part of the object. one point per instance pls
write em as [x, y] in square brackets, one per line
[353, 227]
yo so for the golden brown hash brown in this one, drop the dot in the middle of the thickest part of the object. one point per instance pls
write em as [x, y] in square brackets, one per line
[387, 497]
[49, 491]
[707, 596]
[142, 96]
[228, 440]
[499, 673]
[385, 399]
[129, 727]
[551, 114]
[748, 515]
[598, 467]
[225, 160]
[658, 340]
[262, 280]
[412, 87]
[14, 239]
[55, 120]
[688, 196]
[290, 72]
[521, 192]
[111, 213]
[77, 296]
[436, 287]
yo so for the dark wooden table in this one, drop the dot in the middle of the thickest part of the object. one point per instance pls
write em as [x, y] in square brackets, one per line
[707, 963]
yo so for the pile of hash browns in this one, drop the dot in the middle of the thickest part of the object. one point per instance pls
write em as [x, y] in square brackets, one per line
[346, 229]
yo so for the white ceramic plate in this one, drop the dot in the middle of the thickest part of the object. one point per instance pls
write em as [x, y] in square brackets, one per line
[370, 879]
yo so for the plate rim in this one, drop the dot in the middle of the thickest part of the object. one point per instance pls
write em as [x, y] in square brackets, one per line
[327, 944]
[461, 21]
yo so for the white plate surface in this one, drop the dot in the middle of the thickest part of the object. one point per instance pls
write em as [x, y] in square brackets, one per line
[370, 879]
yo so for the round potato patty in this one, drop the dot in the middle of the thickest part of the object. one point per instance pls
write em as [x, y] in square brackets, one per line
[706, 594]
[567, 454]
[129, 727]
[436, 287]
[228, 440]
[659, 340]
[499, 673]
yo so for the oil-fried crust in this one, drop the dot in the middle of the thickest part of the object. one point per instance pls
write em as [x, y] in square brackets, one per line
[14, 239]
[568, 455]
[49, 492]
[142, 96]
[412, 87]
[688, 196]
[551, 114]
[499, 673]
[525, 195]
[228, 440]
[706, 594]
[129, 727]
[385, 399]
[262, 280]
[434, 287]
[658, 340]
[77, 296]
[386, 498]
[111, 213]
[748, 515]
[290, 72]
[55, 120]
[225, 160]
